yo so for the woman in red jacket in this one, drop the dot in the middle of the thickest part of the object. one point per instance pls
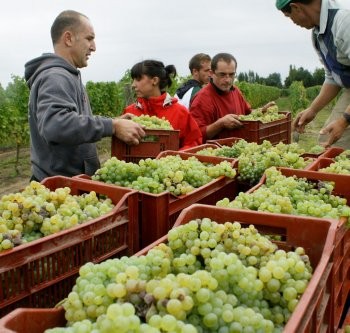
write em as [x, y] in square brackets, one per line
[150, 80]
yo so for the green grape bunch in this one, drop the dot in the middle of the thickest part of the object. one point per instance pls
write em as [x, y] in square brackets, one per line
[271, 114]
[153, 122]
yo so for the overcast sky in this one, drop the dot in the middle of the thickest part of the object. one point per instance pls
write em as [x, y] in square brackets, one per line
[128, 31]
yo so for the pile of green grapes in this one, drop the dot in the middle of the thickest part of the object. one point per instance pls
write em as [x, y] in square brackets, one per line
[37, 211]
[153, 122]
[291, 195]
[254, 158]
[209, 277]
[316, 149]
[341, 164]
[170, 173]
[271, 114]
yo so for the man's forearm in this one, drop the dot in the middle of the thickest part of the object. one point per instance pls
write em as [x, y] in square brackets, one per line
[213, 129]
[327, 94]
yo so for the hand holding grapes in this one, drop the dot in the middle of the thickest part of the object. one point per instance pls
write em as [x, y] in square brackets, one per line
[230, 121]
[128, 131]
[302, 119]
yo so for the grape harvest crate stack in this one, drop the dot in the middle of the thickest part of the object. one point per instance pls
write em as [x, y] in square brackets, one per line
[308, 193]
[41, 272]
[168, 184]
[188, 282]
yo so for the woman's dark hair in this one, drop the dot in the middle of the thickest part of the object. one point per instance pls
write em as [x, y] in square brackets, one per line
[227, 57]
[154, 68]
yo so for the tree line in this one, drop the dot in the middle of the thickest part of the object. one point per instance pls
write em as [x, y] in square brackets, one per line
[295, 74]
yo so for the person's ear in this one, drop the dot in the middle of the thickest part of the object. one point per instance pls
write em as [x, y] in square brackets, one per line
[155, 81]
[68, 38]
[295, 6]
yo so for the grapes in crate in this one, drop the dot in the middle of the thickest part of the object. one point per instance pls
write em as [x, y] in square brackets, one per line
[209, 277]
[291, 195]
[37, 211]
[170, 173]
[271, 114]
[254, 158]
[153, 122]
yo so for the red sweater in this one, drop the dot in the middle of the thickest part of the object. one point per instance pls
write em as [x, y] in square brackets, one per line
[177, 114]
[211, 104]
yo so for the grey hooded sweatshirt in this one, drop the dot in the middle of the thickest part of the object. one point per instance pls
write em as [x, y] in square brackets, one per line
[63, 130]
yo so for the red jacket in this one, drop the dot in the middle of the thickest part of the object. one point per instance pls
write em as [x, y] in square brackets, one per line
[211, 104]
[177, 114]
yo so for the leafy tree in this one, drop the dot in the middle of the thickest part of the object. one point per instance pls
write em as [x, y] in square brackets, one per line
[299, 74]
[318, 76]
[274, 80]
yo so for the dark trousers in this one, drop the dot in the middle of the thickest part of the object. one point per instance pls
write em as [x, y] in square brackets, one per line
[34, 178]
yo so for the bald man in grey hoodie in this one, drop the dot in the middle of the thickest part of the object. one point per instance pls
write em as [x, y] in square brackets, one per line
[63, 131]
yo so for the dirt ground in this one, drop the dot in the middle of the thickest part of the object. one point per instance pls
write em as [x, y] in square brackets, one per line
[11, 181]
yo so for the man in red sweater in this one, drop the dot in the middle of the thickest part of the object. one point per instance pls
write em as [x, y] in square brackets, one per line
[217, 106]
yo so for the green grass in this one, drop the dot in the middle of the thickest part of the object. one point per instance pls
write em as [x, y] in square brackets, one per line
[309, 138]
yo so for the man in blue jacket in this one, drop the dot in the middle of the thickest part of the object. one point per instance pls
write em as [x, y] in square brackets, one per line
[329, 21]
[63, 131]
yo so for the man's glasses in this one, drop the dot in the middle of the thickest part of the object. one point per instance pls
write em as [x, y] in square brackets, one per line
[223, 75]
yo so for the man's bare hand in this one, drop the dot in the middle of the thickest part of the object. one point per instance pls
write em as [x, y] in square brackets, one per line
[302, 119]
[266, 106]
[128, 131]
[334, 130]
[230, 121]
[127, 116]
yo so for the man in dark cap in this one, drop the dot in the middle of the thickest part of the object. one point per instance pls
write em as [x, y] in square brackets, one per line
[329, 21]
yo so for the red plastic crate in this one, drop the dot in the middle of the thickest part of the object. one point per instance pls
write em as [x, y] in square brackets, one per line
[346, 321]
[224, 142]
[194, 150]
[332, 152]
[341, 253]
[158, 212]
[30, 320]
[42, 272]
[255, 131]
[161, 140]
[312, 314]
